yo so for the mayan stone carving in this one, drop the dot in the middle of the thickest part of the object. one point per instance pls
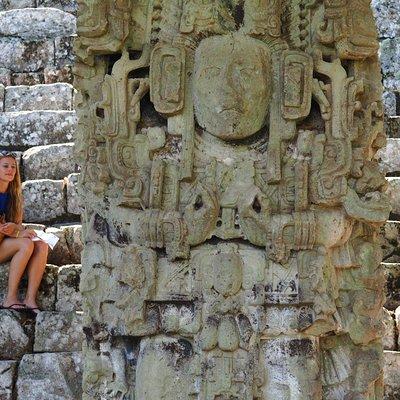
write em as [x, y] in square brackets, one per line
[232, 199]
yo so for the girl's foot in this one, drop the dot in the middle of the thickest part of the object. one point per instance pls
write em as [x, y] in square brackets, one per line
[32, 307]
[14, 306]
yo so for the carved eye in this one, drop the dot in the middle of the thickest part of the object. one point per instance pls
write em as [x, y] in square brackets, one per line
[256, 206]
[198, 203]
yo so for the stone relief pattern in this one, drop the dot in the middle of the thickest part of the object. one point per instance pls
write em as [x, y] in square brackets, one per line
[232, 199]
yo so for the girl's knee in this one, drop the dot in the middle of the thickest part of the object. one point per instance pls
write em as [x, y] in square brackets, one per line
[26, 245]
[41, 247]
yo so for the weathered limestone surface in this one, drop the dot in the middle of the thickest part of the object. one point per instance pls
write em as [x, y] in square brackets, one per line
[54, 75]
[36, 23]
[73, 202]
[389, 156]
[232, 199]
[390, 103]
[390, 59]
[5, 76]
[391, 242]
[69, 247]
[73, 235]
[39, 97]
[397, 320]
[26, 78]
[36, 128]
[393, 127]
[8, 371]
[389, 341]
[20, 55]
[387, 14]
[392, 274]
[393, 191]
[54, 161]
[70, 6]
[44, 200]
[392, 375]
[16, 335]
[69, 297]
[58, 332]
[47, 291]
[11, 4]
[49, 376]
[63, 52]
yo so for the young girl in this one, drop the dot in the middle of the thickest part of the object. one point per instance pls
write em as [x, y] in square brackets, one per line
[17, 244]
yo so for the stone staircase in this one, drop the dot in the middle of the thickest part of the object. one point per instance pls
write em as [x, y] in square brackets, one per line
[40, 358]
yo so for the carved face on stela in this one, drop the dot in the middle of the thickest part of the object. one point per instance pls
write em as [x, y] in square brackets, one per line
[232, 85]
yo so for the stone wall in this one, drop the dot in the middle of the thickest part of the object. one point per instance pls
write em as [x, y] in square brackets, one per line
[37, 120]
[40, 358]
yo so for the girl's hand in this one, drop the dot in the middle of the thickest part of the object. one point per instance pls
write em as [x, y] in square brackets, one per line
[9, 228]
[27, 233]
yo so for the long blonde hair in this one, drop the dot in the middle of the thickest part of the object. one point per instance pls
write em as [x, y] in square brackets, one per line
[15, 209]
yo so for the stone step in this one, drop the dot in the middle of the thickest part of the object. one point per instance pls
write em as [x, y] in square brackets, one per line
[28, 62]
[47, 295]
[54, 161]
[389, 156]
[16, 334]
[69, 297]
[390, 338]
[69, 248]
[59, 289]
[50, 376]
[392, 274]
[44, 200]
[58, 332]
[12, 4]
[36, 128]
[37, 23]
[392, 375]
[19, 55]
[390, 62]
[387, 17]
[57, 96]
[393, 191]
[47, 200]
[70, 6]
[73, 200]
[8, 371]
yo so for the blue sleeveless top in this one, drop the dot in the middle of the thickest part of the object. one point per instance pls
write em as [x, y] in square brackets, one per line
[4, 202]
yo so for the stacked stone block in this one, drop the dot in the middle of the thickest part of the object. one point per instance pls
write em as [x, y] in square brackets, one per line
[387, 13]
[40, 358]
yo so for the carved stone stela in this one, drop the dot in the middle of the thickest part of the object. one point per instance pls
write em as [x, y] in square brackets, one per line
[232, 199]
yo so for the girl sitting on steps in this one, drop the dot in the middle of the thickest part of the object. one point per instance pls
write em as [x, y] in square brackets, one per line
[16, 242]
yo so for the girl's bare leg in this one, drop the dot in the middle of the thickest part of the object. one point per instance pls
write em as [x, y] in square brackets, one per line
[35, 268]
[20, 251]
